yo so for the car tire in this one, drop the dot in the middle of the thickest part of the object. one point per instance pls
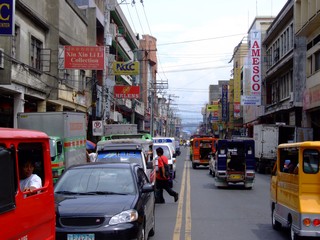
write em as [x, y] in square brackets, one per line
[275, 224]
[142, 235]
[293, 235]
[194, 166]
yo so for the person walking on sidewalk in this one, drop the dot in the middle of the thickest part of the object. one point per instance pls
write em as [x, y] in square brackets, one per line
[161, 181]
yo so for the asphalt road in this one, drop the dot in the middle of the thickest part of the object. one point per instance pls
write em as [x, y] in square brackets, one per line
[205, 212]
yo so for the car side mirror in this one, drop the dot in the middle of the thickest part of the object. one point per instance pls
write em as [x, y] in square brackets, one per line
[146, 188]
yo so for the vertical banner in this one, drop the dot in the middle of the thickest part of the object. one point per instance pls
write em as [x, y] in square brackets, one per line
[7, 11]
[224, 103]
[255, 50]
[237, 93]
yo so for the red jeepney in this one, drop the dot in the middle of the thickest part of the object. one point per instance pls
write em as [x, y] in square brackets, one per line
[25, 215]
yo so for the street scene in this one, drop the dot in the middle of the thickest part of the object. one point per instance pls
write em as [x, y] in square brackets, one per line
[123, 119]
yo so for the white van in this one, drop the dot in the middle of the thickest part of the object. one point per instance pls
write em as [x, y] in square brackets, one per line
[169, 152]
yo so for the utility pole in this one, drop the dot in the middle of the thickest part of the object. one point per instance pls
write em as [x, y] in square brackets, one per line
[107, 42]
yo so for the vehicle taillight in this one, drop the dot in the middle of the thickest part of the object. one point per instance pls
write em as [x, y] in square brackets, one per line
[307, 222]
[316, 222]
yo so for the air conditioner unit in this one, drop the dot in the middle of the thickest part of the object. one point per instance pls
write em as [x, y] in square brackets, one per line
[1, 58]
[291, 97]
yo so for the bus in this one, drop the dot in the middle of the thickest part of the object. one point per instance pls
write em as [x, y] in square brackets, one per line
[25, 215]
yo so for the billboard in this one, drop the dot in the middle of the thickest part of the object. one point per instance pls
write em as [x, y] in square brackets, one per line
[128, 92]
[7, 11]
[84, 57]
[125, 68]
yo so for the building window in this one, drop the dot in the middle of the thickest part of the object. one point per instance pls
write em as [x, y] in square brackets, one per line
[35, 53]
[82, 78]
[317, 61]
[309, 66]
[16, 43]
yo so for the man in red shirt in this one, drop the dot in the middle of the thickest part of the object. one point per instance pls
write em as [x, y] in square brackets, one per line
[162, 182]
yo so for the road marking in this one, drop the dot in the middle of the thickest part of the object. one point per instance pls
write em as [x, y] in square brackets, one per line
[188, 206]
[185, 183]
[177, 228]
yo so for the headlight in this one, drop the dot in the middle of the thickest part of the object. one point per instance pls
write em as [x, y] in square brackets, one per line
[124, 217]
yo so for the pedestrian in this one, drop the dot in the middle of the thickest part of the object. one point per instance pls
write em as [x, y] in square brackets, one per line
[161, 181]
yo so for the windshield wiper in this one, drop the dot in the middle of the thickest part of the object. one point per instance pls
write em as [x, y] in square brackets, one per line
[104, 193]
[66, 192]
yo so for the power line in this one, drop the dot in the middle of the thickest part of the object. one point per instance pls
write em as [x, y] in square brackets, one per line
[199, 40]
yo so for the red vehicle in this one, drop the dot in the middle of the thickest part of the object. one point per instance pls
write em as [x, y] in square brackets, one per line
[202, 149]
[25, 215]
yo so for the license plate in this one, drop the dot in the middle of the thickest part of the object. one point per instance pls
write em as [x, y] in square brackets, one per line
[235, 176]
[82, 236]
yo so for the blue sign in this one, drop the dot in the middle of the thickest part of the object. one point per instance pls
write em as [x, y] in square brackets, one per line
[163, 140]
[7, 11]
[224, 103]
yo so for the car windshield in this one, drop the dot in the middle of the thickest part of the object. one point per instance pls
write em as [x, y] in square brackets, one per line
[96, 181]
[120, 156]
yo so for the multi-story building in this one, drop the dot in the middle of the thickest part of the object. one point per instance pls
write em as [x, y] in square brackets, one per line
[307, 92]
[148, 84]
[32, 79]
[283, 81]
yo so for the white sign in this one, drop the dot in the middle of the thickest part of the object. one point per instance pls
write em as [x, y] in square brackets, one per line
[251, 100]
[97, 128]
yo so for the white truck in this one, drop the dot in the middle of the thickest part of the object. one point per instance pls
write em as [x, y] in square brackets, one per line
[123, 131]
[267, 138]
[67, 132]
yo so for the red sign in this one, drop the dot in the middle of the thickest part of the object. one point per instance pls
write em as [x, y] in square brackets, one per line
[84, 57]
[126, 91]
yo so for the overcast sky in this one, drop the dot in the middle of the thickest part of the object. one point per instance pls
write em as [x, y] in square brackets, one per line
[195, 42]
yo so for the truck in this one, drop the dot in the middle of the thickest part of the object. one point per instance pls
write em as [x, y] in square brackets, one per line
[67, 132]
[267, 138]
[121, 131]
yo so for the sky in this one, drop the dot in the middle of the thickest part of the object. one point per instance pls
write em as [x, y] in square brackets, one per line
[195, 43]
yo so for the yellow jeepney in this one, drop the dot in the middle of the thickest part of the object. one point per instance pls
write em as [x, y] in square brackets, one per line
[295, 189]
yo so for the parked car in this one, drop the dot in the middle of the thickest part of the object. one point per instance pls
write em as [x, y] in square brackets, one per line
[104, 201]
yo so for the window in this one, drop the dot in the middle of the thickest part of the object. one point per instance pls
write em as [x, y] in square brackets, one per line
[35, 53]
[289, 158]
[310, 161]
[35, 153]
[142, 178]
[82, 78]
[8, 178]
[16, 43]
[317, 61]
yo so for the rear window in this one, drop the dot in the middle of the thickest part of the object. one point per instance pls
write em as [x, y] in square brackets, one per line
[166, 151]
[117, 156]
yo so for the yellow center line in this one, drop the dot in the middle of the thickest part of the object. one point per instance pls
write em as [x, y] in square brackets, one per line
[177, 227]
[188, 206]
